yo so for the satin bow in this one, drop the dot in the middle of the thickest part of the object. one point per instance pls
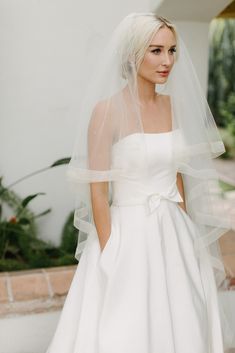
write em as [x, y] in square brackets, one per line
[172, 195]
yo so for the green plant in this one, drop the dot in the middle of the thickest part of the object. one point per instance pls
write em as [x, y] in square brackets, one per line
[221, 65]
[14, 202]
[227, 111]
[69, 235]
[19, 246]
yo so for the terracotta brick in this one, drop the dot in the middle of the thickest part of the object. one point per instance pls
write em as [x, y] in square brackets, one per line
[24, 272]
[232, 350]
[229, 261]
[61, 268]
[29, 286]
[3, 290]
[31, 306]
[61, 281]
[232, 281]
[227, 243]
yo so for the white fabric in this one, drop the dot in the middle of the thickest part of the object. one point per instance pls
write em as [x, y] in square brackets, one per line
[111, 117]
[147, 291]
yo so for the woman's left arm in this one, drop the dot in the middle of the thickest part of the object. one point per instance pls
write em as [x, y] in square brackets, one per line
[180, 186]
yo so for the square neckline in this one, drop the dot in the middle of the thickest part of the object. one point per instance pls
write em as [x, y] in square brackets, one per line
[155, 133]
[144, 133]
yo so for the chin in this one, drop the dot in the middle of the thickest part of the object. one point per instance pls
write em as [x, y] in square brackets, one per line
[159, 82]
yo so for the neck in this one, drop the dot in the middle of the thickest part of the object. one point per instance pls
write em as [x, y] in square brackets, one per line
[146, 90]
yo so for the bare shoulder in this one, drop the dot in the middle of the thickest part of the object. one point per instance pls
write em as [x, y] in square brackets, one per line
[106, 113]
[99, 113]
[100, 108]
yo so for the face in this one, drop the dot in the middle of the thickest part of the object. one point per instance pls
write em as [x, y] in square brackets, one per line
[159, 57]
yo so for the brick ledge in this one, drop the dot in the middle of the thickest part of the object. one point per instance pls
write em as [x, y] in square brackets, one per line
[34, 291]
[41, 290]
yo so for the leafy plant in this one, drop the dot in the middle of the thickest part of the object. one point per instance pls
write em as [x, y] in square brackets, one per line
[69, 235]
[19, 246]
[221, 65]
[227, 111]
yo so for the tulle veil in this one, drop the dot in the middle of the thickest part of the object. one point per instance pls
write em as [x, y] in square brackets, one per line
[111, 110]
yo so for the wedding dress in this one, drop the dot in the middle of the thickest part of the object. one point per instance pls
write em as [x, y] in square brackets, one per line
[147, 291]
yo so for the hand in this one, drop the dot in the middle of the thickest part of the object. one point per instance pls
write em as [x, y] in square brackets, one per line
[182, 205]
[102, 248]
[103, 244]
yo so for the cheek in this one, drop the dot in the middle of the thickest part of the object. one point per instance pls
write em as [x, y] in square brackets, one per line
[172, 60]
[150, 62]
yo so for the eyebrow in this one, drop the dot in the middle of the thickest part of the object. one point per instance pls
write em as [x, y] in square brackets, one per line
[161, 46]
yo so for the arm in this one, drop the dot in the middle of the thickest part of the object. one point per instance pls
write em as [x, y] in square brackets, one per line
[101, 212]
[180, 186]
[99, 147]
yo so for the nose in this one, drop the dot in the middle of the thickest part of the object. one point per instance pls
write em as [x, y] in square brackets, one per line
[166, 60]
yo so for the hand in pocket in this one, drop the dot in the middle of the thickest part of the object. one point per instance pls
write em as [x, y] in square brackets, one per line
[102, 249]
[104, 246]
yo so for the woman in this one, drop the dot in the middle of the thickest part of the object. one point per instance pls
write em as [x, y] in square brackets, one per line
[150, 268]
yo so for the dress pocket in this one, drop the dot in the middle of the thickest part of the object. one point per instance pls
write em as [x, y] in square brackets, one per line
[187, 216]
[107, 255]
[190, 220]
[102, 252]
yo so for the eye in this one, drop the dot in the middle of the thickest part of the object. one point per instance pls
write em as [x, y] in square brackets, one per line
[156, 51]
[173, 50]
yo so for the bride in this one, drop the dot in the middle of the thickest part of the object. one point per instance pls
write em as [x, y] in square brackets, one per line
[150, 266]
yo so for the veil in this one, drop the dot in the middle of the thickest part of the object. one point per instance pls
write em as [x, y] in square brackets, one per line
[111, 111]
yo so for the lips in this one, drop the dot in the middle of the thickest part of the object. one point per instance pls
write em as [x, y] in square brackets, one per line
[163, 73]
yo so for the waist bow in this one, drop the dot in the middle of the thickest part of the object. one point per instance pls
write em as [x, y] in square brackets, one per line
[172, 194]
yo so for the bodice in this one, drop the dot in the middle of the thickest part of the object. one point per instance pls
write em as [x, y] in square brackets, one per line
[159, 179]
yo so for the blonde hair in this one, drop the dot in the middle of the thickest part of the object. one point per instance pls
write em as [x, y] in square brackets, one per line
[137, 33]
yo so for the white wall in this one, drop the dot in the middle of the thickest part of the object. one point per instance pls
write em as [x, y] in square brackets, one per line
[43, 45]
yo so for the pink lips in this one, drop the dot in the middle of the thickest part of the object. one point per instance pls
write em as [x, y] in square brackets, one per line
[163, 73]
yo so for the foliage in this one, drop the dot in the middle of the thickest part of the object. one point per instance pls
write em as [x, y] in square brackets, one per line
[69, 235]
[13, 201]
[221, 68]
[225, 186]
[19, 246]
[227, 111]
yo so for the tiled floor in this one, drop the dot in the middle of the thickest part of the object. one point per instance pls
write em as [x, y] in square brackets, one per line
[225, 169]
[227, 244]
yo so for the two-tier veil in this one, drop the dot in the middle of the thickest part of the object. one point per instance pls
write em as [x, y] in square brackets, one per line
[111, 110]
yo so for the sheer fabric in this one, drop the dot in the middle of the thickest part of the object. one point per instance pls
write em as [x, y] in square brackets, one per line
[111, 111]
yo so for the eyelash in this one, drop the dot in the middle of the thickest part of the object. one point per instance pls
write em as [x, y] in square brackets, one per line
[158, 50]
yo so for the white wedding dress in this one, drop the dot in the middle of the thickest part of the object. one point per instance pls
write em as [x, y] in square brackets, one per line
[146, 292]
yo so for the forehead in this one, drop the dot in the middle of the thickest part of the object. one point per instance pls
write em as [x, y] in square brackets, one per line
[164, 36]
